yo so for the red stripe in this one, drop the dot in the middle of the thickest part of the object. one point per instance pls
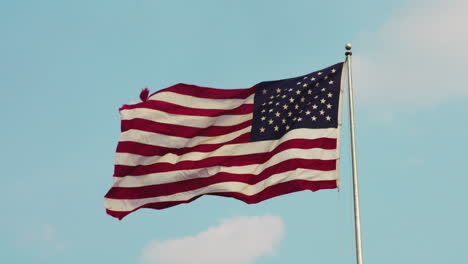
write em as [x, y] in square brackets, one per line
[240, 160]
[183, 110]
[269, 192]
[197, 183]
[205, 92]
[179, 130]
[151, 150]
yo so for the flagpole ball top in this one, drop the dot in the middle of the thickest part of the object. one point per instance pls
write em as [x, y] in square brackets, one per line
[348, 49]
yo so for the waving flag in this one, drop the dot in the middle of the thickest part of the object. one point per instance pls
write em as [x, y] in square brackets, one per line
[251, 144]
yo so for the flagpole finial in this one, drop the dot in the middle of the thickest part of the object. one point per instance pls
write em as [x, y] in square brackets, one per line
[348, 49]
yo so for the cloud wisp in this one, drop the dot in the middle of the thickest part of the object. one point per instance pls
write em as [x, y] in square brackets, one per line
[235, 241]
[417, 58]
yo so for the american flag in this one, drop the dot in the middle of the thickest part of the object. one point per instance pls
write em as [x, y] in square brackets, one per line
[251, 144]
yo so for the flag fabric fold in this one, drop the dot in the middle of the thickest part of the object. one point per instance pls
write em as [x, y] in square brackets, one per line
[252, 144]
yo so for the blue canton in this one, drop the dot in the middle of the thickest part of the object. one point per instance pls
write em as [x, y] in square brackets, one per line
[308, 101]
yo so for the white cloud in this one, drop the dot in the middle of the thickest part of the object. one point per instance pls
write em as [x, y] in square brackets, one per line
[417, 58]
[235, 241]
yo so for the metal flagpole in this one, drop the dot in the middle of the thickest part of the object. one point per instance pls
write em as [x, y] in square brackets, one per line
[357, 216]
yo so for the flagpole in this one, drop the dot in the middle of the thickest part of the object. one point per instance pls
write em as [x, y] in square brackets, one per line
[357, 216]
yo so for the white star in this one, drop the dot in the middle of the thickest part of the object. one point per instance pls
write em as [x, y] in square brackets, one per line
[270, 121]
[299, 119]
[285, 106]
[323, 89]
[322, 112]
[317, 84]
[326, 77]
[302, 99]
[328, 118]
[263, 111]
[304, 85]
[287, 127]
[289, 113]
[320, 73]
[330, 82]
[314, 118]
[276, 128]
[262, 129]
[305, 77]
[298, 92]
[283, 96]
[296, 106]
[314, 106]
[263, 118]
[313, 78]
[277, 103]
[290, 89]
[271, 97]
[309, 91]
[308, 112]
[330, 95]
[283, 121]
[298, 83]
[322, 101]
[291, 100]
[270, 102]
[277, 114]
[333, 70]
[329, 106]
[271, 110]
[278, 90]
[264, 91]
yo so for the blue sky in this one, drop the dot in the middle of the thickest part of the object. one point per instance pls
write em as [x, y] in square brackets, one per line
[67, 66]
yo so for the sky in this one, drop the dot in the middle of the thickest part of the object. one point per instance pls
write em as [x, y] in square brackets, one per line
[67, 66]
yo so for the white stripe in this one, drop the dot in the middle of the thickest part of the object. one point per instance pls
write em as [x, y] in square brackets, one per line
[237, 150]
[238, 187]
[175, 176]
[161, 140]
[129, 159]
[203, 103]
[185, 120]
